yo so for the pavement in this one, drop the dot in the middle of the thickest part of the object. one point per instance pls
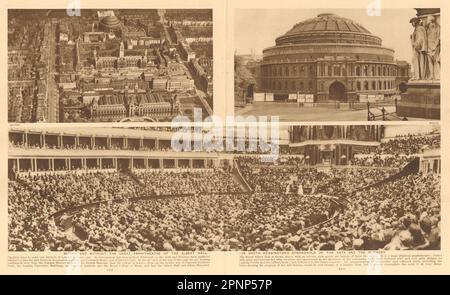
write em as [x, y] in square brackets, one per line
[288, 112]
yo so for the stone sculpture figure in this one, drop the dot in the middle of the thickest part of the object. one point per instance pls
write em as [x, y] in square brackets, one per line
[433, 48]
[419, 46]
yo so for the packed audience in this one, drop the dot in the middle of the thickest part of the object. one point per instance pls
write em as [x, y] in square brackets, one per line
[291, 206]
[290, 176]
[217, 181]
[408, 145]
[34, 198]
[399, 215]
[378, 160]
[232, 222]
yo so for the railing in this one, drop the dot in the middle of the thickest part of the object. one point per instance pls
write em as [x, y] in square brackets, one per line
[384, 113]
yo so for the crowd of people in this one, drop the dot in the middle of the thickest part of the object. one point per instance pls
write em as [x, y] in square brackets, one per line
[377, 160]
[397, 151]
[400, 215]
[231, 222]
[32, 199]
[293, 175]
[290, 206]
[408, 145]
[217, 181]
[81, 146]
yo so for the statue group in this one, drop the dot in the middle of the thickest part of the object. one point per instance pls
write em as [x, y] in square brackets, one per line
[426, 44]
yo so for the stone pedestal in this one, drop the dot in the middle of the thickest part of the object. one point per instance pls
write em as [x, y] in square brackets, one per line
[422, 99]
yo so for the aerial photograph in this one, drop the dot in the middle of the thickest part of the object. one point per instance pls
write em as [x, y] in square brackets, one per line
[118, 65]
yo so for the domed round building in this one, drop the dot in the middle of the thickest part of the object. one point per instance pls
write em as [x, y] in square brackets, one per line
[109, 23]
[332, 57]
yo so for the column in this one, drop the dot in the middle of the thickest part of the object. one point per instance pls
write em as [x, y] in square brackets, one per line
[348, 153]
[337, 154]
[92, 142]
[18, 165]
[191, 163]
[108, 142]
[176, 162]
[141, 143]
[156, 144]
[146, 163]
[77, 140]
[161, 164]
[100, 163]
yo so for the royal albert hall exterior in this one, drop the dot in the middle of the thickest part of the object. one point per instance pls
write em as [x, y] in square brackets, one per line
[333, 58]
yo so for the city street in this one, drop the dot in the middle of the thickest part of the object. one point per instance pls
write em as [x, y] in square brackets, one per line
[51, 87]
[289, 112]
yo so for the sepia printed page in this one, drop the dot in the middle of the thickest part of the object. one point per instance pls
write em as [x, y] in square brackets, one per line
[224, 137]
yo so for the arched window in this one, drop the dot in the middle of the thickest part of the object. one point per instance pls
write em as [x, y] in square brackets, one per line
[385, 85]
[286, 71]
[310, 85]
[379, 84]
[365, 71]
[358, 85]
[372, 71]
[358, 71]
[279, 85]
[374, 86]
[330, 71]
[366, 85]
[378, 71]
[384, 71]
